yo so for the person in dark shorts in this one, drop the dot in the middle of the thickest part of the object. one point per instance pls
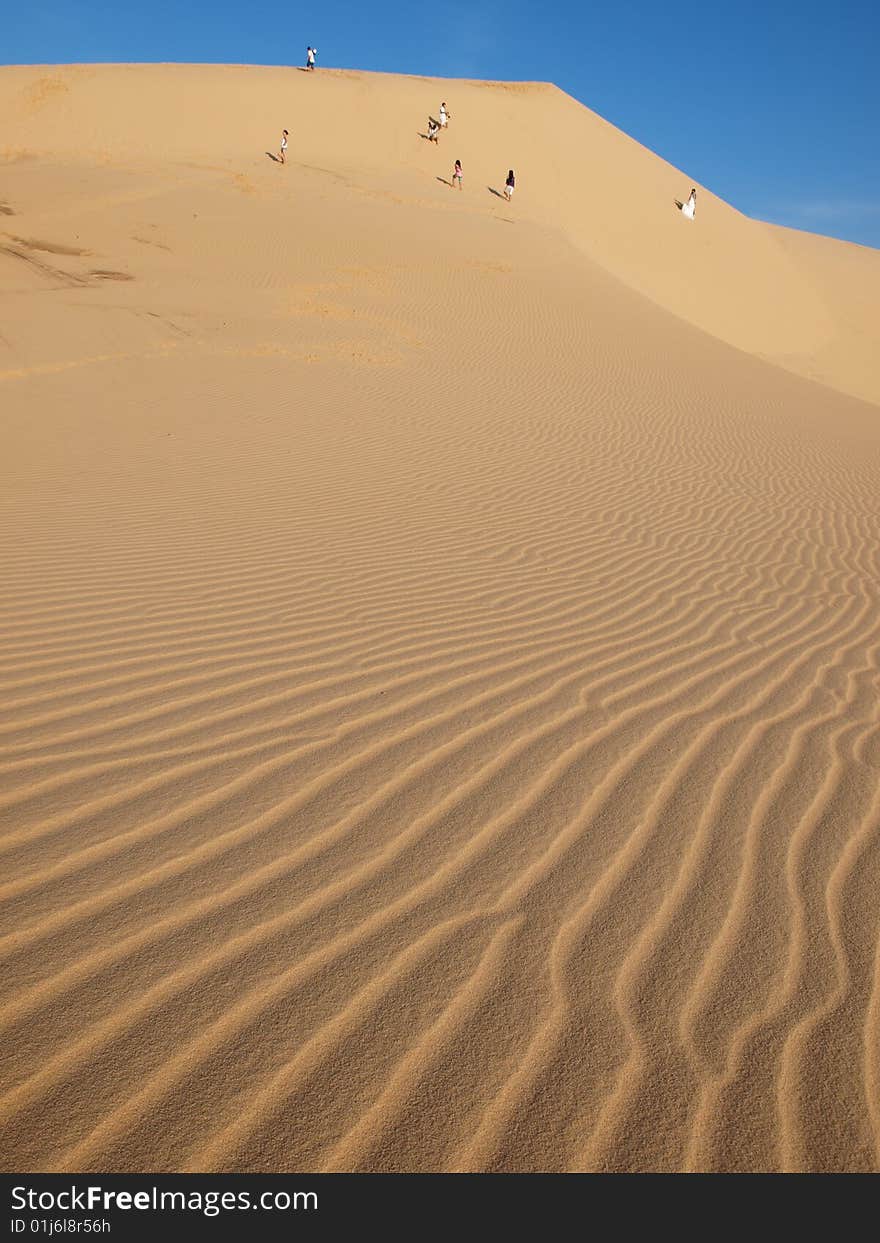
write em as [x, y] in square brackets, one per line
[690, 207]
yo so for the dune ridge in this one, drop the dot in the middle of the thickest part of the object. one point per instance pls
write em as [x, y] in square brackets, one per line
[439, 713]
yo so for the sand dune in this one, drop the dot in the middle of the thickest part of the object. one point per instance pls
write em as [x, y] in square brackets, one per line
[439, 714]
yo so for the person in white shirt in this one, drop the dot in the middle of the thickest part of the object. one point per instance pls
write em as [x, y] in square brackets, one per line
[283, 152]
[444, 115]
[690, 207]
[311, 53]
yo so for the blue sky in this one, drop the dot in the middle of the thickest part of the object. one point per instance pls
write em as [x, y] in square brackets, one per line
[774, 106]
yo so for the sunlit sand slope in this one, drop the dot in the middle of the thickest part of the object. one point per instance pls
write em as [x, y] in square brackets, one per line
[440, 667]
[815, 310]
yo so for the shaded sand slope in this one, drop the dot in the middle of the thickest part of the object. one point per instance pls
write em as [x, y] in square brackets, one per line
[736, 278]
[439, 714]
[847, 279]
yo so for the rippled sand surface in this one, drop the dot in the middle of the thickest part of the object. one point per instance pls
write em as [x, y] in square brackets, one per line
[440, 658]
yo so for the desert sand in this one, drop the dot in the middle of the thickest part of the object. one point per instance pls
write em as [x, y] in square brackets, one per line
[440, 655]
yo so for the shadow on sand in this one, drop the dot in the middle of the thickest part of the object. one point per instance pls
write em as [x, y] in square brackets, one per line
[273, 157]
[446, 183]
[497, 193]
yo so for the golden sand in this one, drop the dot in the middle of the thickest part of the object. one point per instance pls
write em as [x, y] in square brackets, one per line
[440, 672]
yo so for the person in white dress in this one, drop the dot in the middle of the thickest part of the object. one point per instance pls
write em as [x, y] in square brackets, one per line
[444, 115]
[689, 208]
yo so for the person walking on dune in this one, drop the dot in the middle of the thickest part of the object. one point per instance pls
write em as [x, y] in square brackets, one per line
[456, 175]
[509, 185]
[690, 207]
[311, 53]
[433, 130]
[282, 154]
[444, 115]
